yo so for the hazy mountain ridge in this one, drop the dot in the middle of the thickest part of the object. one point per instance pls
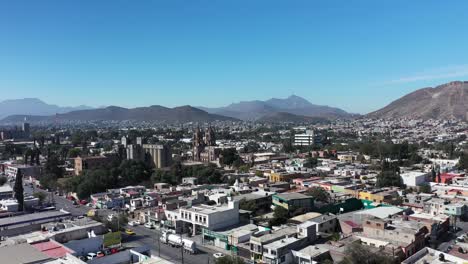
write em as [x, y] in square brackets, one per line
[281, 117]
[33, 106]
[295, 105]
[447, 101]
[153, 113]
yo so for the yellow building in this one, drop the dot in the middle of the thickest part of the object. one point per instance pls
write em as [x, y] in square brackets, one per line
[282, 176]
[378, 196]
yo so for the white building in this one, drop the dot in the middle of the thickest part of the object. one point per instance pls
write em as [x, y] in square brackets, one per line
[306, 139]
[211, 217]
[413, 178]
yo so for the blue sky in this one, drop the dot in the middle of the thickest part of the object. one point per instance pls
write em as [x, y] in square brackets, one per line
[356, 55]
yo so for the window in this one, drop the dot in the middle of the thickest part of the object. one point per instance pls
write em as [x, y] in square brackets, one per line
[283, 259]
[378, 224]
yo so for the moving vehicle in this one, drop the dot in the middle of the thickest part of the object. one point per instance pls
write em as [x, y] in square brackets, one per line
[176, 241]
[129, 232]
[149, 225]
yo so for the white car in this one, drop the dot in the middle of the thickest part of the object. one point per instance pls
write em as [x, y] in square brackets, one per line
[149, 225]
[134, 223]
[218, 255]
[91, 256]
[110, 217]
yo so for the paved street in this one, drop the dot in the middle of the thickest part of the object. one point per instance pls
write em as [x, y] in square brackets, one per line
[143, 237]
[149, 237]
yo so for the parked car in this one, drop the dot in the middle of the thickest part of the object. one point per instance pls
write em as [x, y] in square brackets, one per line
[91, 256]
[110, 217]
[218, 255]
[134, 223]
[100, 254]
[149, 225]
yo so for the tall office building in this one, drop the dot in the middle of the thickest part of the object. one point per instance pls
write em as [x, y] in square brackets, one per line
[155, 155]
[306, 139]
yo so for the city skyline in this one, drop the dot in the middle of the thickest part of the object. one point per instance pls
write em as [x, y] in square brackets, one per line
[355, 56]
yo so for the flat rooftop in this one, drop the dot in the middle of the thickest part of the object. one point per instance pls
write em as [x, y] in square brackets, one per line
[207, 209]
[281, 243]
[22, 253]
[314, 251]
[292, 196]
[28, 218]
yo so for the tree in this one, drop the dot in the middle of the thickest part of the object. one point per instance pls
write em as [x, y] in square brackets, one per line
[389, 176]
[41, 196]
[19, 190]
[117, 223]
[229, 260]
[230, 157]
[280, 216]
[247, 205]
[355, 253]
[3, 180]
[244, 169]
[311, 162]
[251, 147]
[319, 194]
[463, 162]
[425, 188]
[133, 172]
[74, 152]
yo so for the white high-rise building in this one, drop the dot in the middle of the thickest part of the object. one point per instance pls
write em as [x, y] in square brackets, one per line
[306, 139]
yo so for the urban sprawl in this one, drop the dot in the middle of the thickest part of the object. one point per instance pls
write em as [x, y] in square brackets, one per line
[343, 191]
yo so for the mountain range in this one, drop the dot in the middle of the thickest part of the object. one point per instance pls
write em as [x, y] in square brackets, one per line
[114, 113]
[447, 101]
[293, 105]
[33, 106]
[291, 109]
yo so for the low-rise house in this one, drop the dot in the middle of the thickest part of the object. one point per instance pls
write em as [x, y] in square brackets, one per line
[260, 239]
[407, 235]
[6, 192]
[261, 199]
[378, 196]
[429, 256]
[326, 223]
[414, 178]
[312, 254]
[211, 217]
[280, 251]
[293, 201]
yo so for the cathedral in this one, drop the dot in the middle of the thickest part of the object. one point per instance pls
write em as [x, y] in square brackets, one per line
[204, 145]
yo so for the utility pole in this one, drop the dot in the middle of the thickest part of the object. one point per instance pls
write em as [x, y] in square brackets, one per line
[182, 244]
[158, 236]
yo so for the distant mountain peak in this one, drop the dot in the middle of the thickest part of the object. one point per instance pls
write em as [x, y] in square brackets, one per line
[293, 104]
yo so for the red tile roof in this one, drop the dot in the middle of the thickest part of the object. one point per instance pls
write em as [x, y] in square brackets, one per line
[52, 249]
